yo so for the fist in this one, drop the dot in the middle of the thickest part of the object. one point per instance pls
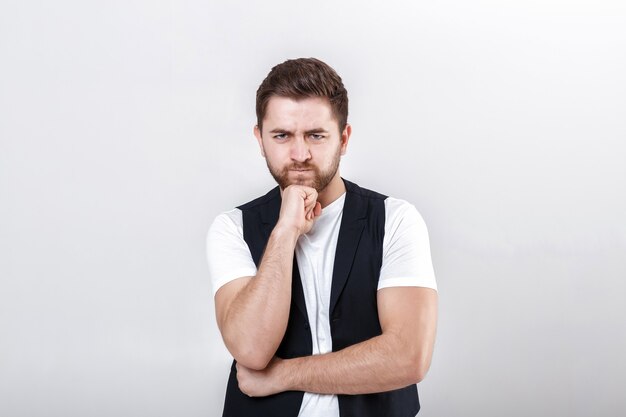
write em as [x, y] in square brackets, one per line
[299, 208]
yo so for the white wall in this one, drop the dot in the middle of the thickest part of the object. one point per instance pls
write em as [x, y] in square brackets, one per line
[126, 126]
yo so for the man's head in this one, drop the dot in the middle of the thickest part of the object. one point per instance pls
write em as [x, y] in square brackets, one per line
[302, 110]
[303, 78]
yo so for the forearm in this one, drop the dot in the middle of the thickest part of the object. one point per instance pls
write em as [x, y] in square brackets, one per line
[257, 317]
[399, 357]
[375, 365]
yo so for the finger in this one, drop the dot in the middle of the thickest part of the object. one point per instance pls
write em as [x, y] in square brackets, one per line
[309, 203]
[308, 207]
[309, 190]
[317, 210]
[311, 194]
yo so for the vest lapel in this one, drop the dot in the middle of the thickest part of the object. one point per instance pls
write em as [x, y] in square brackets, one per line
[350, 231]
[269, 217]
[270, 212]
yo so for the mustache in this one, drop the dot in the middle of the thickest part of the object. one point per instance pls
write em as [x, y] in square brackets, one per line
[300, 166]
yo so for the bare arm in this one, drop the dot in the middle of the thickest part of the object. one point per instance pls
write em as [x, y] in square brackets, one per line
[399, 357]
[252, 312]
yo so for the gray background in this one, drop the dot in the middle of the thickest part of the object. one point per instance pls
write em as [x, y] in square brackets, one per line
[126, 127]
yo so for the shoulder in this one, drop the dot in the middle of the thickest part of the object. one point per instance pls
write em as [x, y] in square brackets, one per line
[406, 248]
[227, 253]
[397, 210]
[363, 192]
[226, 223]
[269, 197]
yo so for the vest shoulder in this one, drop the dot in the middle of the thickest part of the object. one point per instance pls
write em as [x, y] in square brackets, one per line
[363, 192]
[274, 193]
[259, 201]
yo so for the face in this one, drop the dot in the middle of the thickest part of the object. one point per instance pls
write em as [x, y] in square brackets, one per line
[301, 141]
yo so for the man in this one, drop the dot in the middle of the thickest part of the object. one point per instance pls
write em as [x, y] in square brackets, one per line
[324, 291]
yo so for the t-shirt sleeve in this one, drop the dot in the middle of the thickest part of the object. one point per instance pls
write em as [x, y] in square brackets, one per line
[227, 252]
[406, 248]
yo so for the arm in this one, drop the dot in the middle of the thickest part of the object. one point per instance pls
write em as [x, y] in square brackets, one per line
[252, 312]
[400, 356]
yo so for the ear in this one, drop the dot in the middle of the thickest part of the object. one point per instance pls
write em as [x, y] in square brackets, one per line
[345, 137]
[257, 134]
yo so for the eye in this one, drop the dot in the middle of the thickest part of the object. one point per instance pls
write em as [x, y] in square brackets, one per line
[280, 136]
[316, 136]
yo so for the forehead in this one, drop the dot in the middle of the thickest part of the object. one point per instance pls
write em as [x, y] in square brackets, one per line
[306, 113]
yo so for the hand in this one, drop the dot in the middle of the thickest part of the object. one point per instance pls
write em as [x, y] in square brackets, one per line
[261, 383]
[299, 208]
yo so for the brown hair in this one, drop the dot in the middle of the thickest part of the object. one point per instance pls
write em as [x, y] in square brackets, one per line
[303, 78]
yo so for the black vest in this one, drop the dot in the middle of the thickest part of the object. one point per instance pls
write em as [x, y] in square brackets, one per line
[353, 308]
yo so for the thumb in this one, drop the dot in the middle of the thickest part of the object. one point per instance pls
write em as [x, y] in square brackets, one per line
[318, 209]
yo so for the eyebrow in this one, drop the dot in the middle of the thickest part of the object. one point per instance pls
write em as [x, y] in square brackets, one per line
[308, 132]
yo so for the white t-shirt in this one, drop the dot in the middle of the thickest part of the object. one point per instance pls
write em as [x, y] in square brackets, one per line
[406, 262]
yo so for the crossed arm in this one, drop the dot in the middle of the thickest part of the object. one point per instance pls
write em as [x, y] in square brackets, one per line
[252, 315]
[400, 356]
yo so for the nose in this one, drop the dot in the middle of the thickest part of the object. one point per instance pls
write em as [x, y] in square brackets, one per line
[300, 150]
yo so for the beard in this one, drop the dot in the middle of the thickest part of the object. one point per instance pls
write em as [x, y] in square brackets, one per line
[319, 180]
